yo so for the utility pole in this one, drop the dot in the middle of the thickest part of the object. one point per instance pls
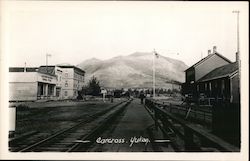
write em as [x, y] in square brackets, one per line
[154, 53]
[238, 36]
[238, 45]
[47, 55]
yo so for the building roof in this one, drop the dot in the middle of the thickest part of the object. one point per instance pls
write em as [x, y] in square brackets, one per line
[221, 72]
[41, 69]
[71, 66]
[50, 70]
[207, 57]
[21, 69]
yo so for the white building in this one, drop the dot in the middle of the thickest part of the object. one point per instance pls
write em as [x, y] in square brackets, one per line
[72, 81]
[57, 71]
[26, 84]
[45, 82]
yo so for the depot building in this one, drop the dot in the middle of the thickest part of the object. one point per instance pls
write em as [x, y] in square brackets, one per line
[27, 84]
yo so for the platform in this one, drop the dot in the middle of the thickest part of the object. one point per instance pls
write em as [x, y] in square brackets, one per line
[134, 127]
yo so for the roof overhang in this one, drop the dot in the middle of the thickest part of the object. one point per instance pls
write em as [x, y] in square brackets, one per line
[230, 75]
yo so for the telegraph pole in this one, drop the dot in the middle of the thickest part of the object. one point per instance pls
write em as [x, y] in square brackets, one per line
[154, 52]
[238, 45]
[238, 35]
[47, 55]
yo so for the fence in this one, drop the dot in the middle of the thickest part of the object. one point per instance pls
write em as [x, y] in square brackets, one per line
[195, 139]
[201, 114]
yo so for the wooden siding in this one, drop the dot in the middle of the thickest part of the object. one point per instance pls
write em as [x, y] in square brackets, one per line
[207, 66]
[235, 89]
[190, 75]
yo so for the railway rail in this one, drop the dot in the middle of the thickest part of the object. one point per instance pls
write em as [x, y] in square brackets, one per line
[69, 139]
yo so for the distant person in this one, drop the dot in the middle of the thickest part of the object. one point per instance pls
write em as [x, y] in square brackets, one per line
[142, 96]
[128, 95]
[111, 98]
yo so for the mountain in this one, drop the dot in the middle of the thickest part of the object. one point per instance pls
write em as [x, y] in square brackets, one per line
[134, 71]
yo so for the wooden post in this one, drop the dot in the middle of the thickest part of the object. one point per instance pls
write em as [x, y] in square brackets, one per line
[188, 139]
[195, 113]
[204, 115]
[156, 119]
[12, 121]
[189, 110]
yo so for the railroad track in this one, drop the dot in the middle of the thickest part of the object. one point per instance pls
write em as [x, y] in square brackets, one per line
[72, 138]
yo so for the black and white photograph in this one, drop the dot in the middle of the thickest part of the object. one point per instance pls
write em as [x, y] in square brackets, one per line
[85, 79]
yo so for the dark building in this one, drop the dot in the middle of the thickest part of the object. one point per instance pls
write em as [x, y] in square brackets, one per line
[200, 69]
[214, 81]
[221, 84]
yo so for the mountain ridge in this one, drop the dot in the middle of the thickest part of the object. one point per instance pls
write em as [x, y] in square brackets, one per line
[134, 71]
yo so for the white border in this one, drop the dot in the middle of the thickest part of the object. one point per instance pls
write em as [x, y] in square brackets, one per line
[243, 155]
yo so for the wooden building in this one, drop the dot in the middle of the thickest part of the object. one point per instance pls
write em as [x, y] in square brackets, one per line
[221, 84]
[200, 69]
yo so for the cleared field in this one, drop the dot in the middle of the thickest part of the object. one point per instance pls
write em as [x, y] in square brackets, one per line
[49, 117]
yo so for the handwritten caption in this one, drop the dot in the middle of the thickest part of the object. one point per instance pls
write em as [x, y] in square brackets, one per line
[133, 140]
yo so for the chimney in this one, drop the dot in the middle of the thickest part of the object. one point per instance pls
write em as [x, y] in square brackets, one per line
[237, 57]
[214, 49]
[209, 52]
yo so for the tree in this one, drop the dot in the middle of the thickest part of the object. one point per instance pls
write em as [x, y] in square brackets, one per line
[93, 87]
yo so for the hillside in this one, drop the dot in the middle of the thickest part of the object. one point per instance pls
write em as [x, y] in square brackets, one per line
[134, 70]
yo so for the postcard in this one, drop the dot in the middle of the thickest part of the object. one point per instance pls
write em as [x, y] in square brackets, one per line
[124, 80]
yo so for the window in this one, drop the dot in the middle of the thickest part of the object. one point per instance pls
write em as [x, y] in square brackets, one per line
[66, 74]
[66, 83]
[198, 87]
[66, 93]
[210, 86]
[205, 86]
[222, 85]
[50, 90]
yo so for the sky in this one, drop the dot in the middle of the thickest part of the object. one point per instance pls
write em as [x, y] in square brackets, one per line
[75, 31]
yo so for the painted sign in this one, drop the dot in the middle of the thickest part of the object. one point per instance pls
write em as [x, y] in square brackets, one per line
[46, 79]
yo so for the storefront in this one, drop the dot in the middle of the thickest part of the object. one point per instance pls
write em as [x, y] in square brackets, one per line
[27, 84]
[46, 86]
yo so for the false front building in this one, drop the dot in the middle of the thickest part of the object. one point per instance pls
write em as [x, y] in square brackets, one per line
[29, 84]
[45, 82]
[57, 71]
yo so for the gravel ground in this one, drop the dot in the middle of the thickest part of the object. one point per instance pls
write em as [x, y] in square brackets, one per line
[50, 117]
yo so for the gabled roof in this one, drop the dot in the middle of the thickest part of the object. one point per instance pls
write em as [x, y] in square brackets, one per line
[221, 72]
[207, 57]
